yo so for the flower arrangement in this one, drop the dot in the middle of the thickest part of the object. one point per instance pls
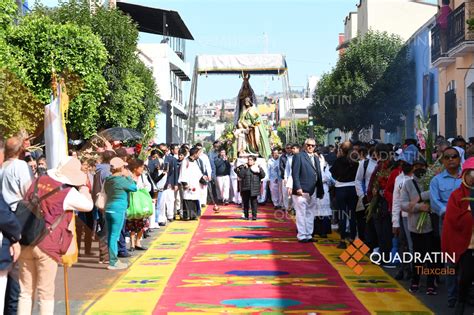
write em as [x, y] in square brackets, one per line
[424, 182]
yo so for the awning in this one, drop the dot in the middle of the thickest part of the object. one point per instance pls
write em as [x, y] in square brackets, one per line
[236, 64]
[151, 20]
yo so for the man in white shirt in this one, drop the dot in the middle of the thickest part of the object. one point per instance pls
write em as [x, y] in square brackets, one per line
[17, 176]
[206, 169]
[273, 177]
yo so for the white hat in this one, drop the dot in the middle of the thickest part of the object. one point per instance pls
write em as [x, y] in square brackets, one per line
[117, 162]
[69, 172]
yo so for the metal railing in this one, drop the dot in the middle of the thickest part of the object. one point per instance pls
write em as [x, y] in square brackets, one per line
[456, 33]
[457, 26]
[435, 43]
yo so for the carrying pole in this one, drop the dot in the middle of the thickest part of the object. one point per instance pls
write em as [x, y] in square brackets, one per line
[66, 289]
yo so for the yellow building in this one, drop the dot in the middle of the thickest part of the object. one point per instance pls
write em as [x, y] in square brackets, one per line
[452, 52]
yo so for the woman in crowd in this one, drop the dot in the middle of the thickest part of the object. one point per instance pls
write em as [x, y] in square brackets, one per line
[32, 164]
[415, 201]
[117, 187]
[137, 226]
[250, 175]
[458, 233]
[85, 220]
[344, 173]
[39, 263]
[322, 220]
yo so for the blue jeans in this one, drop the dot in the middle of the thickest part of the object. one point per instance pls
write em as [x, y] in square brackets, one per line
[115, 223]
[122, 244]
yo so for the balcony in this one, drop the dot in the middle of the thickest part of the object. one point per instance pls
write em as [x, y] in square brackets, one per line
[459, 38]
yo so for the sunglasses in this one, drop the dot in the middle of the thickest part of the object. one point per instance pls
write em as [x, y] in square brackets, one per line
[452, 156]
[310, 145]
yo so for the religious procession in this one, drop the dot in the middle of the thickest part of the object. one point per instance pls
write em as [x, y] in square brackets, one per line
[347, 190]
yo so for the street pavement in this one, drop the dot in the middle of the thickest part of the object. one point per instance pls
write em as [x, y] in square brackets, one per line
[89, 280]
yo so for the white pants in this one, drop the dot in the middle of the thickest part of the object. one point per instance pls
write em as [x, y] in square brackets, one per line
[305, 207]
[223, 187]
[166, 205]
[236, 198]
[262, 198]
[3, 288]
[203, 196]
[285, 198]
[275, 189]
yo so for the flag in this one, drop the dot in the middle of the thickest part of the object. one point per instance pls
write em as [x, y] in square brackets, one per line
[55, 134]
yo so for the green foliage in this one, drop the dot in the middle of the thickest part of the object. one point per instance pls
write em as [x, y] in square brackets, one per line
[372, 84]
[132, 100]
[8, 13]
[303, 133]
[39, 45]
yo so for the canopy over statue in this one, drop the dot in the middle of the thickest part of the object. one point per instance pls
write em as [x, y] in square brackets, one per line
[246, 111]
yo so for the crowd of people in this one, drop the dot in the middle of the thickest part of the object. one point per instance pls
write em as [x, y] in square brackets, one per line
[386, 195]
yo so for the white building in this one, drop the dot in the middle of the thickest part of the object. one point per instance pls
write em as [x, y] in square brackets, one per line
[167, 60]
[169, 71]
[401, 17]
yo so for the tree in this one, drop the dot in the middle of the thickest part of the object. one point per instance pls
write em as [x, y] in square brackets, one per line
[35, 47]
[371, 85]
[132, 99]
[303, 132]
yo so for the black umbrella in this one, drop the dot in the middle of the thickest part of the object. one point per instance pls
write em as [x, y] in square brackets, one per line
[120, 134]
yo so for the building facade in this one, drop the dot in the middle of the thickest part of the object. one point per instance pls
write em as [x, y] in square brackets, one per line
[455, 61]
[426, 77]
[170, 72]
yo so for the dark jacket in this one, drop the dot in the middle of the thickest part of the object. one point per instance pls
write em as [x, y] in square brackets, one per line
[306, 176]
[250, 180]
[344, 170]
[282, 166]
[222, 167]
[10, 228]
[173, 174]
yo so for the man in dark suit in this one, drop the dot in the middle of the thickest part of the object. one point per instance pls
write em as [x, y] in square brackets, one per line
[307, 187]
[171, 164]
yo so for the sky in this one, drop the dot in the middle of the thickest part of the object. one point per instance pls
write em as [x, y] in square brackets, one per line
[305, 31]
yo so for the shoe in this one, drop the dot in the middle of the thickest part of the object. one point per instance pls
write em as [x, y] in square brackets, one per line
[118, 266]
[141, 248]
[341, 245]
[170, 220]
[124, 255]
[245, 218]
[226, 203]
[303, 241]
[103, 261]
[431, 291]
[162, 224]
[132, 249]
[414, 288]
[254, 219]
[312, 240]
[451, 303]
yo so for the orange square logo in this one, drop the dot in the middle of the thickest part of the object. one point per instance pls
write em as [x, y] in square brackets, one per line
[354, 253]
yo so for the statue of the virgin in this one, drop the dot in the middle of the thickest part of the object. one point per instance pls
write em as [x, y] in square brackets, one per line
[252, 136]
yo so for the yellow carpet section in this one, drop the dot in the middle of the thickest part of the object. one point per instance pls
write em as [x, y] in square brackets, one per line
[139, 289]
[375, 289]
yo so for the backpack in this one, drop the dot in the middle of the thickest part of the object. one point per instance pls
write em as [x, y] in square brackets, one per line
[31, 217]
